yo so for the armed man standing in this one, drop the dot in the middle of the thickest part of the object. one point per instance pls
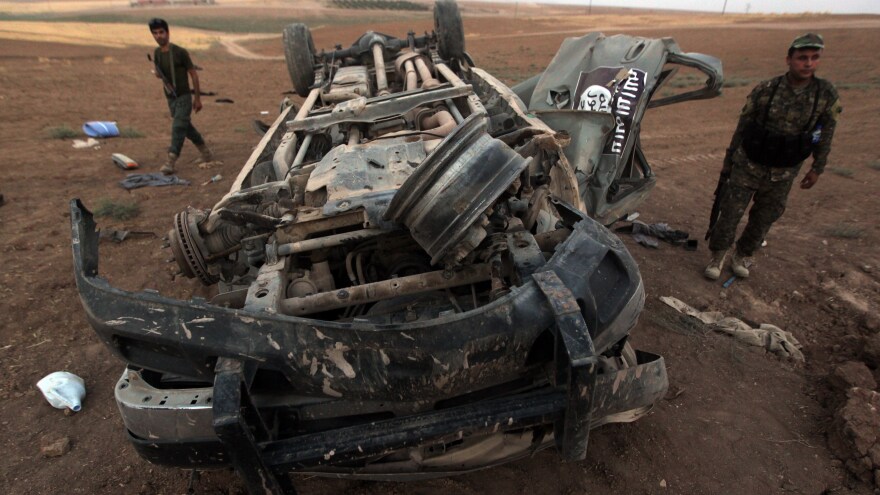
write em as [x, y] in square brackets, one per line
[784, 121]
[174, 66]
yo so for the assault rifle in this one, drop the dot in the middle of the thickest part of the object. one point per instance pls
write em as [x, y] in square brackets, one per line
[716, 206]
[169, 88]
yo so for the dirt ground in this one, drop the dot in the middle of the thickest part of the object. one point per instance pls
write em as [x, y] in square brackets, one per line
[736, 420]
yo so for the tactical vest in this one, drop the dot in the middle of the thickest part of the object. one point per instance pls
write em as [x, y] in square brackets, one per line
[773, 149]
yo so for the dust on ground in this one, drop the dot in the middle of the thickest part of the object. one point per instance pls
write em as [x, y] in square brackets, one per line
[737, 420]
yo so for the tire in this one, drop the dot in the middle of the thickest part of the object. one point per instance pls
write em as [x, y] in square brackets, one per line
[449, 29]
[262, 173]
[299, 51]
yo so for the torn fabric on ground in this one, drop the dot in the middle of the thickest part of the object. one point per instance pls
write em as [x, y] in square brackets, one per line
[647, 235]
[134, 181]
[770, 337]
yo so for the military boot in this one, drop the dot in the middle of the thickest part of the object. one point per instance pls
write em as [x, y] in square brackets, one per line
[713, 270]
[207, 156]
[168, 168]
[739, 264]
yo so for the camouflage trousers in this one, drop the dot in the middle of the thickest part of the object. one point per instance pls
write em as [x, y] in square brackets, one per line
[767, 189]
[181, 125]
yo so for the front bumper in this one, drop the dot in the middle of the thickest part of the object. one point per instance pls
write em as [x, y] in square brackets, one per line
[439, 384]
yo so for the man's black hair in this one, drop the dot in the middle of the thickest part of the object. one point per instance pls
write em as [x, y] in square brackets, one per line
[156, 23]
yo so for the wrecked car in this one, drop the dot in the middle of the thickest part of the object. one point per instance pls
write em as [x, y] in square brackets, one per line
[413, 274]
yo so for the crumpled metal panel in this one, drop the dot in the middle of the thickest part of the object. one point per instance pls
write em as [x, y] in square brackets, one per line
[627, 70]
[350, 171]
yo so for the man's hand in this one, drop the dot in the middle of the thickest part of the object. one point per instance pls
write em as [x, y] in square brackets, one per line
[810, 180]
[196, 91]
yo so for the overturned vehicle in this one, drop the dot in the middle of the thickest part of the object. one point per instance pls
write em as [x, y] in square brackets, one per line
[414, 277]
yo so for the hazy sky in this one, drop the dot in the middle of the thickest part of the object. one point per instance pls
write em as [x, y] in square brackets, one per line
[740, 6]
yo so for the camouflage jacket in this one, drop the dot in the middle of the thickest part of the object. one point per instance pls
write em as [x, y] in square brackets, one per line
[791, 113]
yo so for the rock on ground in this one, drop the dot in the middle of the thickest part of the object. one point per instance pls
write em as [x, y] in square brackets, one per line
[55, 448]
[854, 434]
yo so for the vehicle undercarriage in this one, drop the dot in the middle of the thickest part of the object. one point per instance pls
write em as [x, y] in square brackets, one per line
[414, 277]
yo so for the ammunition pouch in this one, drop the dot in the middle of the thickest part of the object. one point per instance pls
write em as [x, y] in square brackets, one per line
[772, 149]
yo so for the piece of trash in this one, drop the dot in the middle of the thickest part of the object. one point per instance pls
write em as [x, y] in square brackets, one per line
[770, 337]
[627, 217]
[224, 100]
[63, 390]
[729, 282]
[216, 178]
[662, 483]
[118, 236]
[123, 162]
[134, 181]
[100, 129]
[264, 112]
[85, 143]
[764, 243]
[207, 93]
[691, 245]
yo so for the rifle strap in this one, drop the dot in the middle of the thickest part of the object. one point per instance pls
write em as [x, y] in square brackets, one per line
[171, 64]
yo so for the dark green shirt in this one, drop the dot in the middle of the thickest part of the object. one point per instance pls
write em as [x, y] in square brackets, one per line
[178, 77]
[791, 112]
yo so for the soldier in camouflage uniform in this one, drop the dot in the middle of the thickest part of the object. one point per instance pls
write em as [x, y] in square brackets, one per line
[173, 65]
[784, 121]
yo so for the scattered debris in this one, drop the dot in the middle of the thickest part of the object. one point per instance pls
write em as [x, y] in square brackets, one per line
[156, 179]
[55, 448]
[118, 236]
[727, 283]
[770, 337]
[123, 162]
[101, 129]
[216, 178]
[647, 235]
[224, 100]
[264, 112]
[86, 143]
[63, 390]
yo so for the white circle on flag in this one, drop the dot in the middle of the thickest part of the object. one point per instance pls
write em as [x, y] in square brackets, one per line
[596, 99]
